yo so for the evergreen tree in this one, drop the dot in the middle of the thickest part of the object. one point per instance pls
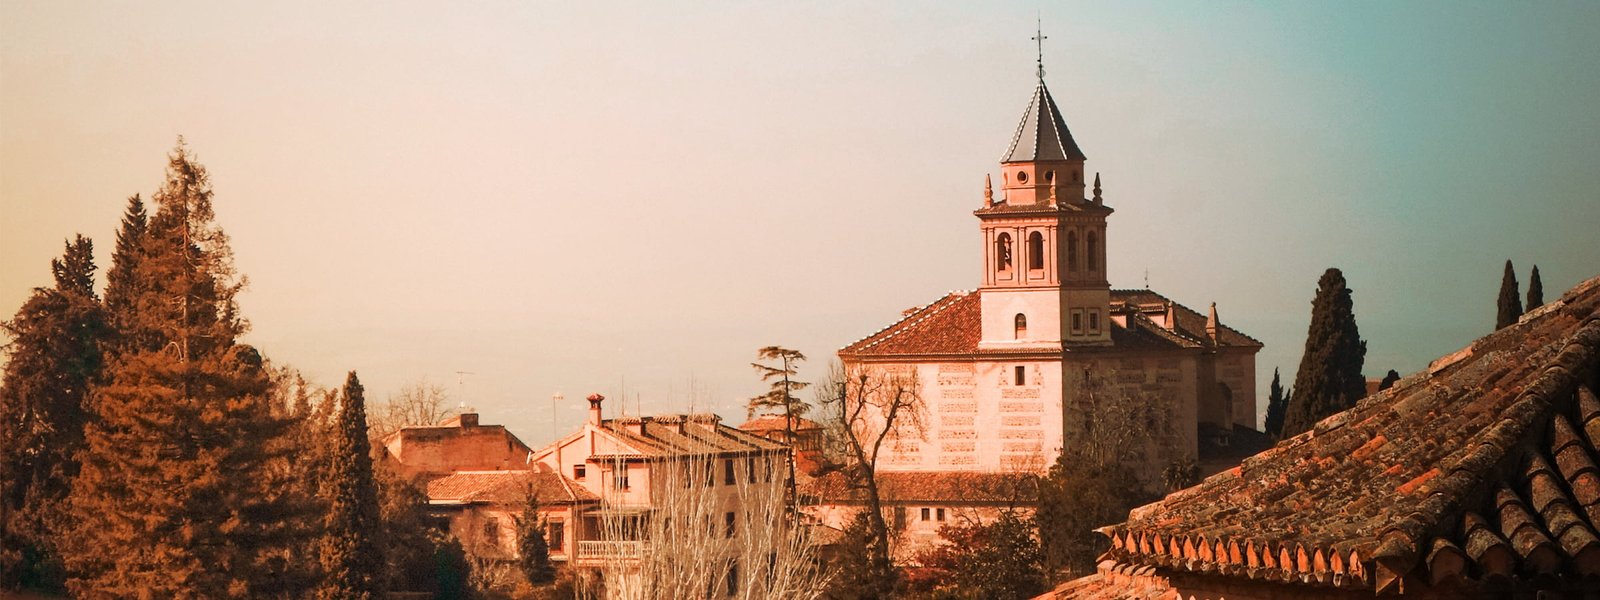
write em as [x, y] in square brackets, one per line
[864, 569]
[1330, 378]
[1389, 380]
[1535, 289]
[997, 560]
[352, 561]
[121, 284]
[1277, 405]
[175, 497]
[55, 358]
[532, 549]
[1510, 307]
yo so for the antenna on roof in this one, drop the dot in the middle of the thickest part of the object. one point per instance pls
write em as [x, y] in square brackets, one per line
[1147, 278]
[462, 405]
[1039, 37]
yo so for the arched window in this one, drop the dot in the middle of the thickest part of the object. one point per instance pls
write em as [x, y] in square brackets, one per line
[1035, 251]
[1002, 252]
[1021, 328]
[1072, 251]
[1091, 252]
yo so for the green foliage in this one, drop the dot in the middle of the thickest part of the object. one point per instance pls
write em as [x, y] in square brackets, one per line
[780, 398]
[1330, 377]
[1000, 560]
[54, 358]
[532, 549]
[1509, 306]
[1277, 406]
[862, 564]
[1389, 380]
[352, 561]
[177, 494]
[1077, 496]
[1535, 289]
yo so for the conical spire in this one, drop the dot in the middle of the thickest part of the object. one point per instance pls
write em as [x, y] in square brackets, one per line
[1042, 135]
[988, 192]
[1097, 198]
[1211, 322]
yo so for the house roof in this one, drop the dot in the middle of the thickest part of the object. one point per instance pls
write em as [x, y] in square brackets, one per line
[930, 486]
[506, 487]
[1042, 134]
[952, 325]
[766, 423]
[1481, 466]
[674, 435]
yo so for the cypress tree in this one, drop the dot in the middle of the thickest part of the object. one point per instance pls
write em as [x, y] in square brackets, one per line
[532, 549]
[1329, 379]
[1510, 307]
[55, 357]
[1277, 405]
[176, 497]
[1388, 380]
[1535, 289]
[352, 562]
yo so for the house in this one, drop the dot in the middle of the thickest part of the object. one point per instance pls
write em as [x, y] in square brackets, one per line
[916, 505]
[803, 436]
[647, 470]
[477, 478]
[1475, 478]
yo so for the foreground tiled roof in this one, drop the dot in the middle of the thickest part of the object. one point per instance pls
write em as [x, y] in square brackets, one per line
[1480, 469]
[506, 487]
[931, 486]
[671, 435]
[952, 325]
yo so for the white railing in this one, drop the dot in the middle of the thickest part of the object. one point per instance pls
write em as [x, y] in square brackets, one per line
[597, 549]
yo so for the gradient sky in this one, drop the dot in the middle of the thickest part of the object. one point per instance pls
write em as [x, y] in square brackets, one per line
[579, 197]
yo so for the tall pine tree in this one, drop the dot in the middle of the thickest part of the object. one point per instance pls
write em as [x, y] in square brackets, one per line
[1329, 379]
[174, 497]
[1535, 289]
[1509, 306]
[352, 561]
[533, 550]
[55, 357]
[121, 285]
[1277, 406]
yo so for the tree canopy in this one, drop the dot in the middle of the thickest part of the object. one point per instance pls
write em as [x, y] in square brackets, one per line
[1329, 379]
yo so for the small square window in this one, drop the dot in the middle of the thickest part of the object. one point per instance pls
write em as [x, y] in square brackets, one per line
[924, 514]
[578, 471]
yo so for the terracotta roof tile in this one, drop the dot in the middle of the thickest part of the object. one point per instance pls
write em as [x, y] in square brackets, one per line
[1480, 458]
[506, 487]
[669, 435]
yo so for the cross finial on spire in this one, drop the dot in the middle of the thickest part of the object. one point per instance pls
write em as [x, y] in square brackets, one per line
[1039, 37]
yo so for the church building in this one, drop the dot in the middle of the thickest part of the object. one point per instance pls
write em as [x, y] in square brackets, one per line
[1009, 372]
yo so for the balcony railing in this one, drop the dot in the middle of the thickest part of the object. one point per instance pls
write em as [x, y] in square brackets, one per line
[600, 550]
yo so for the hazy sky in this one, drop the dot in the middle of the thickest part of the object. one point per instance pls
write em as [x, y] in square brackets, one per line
[567, 196]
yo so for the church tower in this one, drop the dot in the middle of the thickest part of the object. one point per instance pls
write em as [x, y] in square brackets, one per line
[1044, 280]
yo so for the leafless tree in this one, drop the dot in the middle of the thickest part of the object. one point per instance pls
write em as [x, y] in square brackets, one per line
[421, 402]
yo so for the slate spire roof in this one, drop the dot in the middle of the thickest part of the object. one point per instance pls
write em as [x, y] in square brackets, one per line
[1042, 135]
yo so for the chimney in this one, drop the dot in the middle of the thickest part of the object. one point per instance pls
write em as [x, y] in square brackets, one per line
[594, 409]
[469, 419]
[1211, 323]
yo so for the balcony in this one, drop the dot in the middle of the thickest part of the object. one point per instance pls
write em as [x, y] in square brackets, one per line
[604, 550]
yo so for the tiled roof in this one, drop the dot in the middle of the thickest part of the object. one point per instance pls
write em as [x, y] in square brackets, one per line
[671, 435]
[765, 423]
[952, 325]
[931, 486]
[1480, 468]
[1042, 134]
[506, 487]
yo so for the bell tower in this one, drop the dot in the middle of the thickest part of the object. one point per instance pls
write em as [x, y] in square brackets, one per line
[1044, 281]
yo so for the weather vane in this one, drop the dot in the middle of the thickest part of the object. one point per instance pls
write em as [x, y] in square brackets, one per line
[1039, 37]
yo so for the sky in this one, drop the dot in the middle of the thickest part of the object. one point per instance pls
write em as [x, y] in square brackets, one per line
[632, 198]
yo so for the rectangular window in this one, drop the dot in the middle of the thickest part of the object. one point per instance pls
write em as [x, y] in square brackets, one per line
[578, 471]
[491, 531]
[769, 469]
[728, 526]
[899, 518]
[1094, 321]
[711, 473]
[619, 477]
[924, 514]
[1022, 375]
[750, 467]
[1077, 320]
[727, 472]
[733, 577]
[939, 515]
[557, 536]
